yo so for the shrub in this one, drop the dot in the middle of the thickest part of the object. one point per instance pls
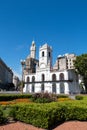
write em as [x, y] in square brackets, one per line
[9, 97]
[31, 114]
[48, 115]
[43, 97]
[79, 97]
[2, 118]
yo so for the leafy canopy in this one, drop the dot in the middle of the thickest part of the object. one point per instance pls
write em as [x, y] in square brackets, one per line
[81, 65]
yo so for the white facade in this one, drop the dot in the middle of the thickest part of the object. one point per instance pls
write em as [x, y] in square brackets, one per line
[48, 79]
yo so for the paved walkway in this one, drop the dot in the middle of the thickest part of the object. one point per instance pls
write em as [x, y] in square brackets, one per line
[71, 125]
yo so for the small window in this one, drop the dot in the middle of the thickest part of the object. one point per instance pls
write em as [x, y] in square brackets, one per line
[43, 77]
[61, 76]
[28, 79]
[33, 79]
[43, 54]
[49, 54]
[54, 77]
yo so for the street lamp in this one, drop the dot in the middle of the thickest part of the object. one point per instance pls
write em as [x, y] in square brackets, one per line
[23, 64]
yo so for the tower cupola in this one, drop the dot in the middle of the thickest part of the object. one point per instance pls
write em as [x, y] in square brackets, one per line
[33, 50]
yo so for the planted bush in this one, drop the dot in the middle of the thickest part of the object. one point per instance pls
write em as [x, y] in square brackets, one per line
[9, 97]
[2, 118]
[79, 97]
[48, 115]
[43, 97]
[32, 114]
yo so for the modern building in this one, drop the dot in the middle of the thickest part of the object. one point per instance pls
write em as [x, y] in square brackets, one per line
[41, 76]
[6, 74]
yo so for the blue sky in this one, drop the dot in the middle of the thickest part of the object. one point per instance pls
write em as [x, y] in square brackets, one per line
[60, 23]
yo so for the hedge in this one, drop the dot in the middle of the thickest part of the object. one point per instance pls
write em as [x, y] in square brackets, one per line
[2, 117]
[79, 97]
[9, 97]
[48, 115]
[32, 114]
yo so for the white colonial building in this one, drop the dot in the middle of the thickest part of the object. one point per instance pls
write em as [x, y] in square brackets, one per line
[41, 76]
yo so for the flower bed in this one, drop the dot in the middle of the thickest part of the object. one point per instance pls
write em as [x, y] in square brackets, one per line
[64, 99]
[21, 100]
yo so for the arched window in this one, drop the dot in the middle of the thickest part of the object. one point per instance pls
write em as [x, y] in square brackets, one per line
[54, 77]
[61, 76]
[28, 79]
[43, 77]
[54, 88]
[42, 53]
[33, 78]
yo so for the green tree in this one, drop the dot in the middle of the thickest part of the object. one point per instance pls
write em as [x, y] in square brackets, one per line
[81, 67]
[20, 86]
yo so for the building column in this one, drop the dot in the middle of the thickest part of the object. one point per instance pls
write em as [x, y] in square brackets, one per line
[57, 88]
[25, 89]
[66, 85]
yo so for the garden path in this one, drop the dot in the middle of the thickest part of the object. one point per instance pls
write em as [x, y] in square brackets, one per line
[70, 125]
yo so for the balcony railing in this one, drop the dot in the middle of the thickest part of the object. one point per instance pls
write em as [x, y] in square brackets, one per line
[57, 81]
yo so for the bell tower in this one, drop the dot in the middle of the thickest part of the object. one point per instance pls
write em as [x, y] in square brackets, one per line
[33, 50]
[45, 56]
